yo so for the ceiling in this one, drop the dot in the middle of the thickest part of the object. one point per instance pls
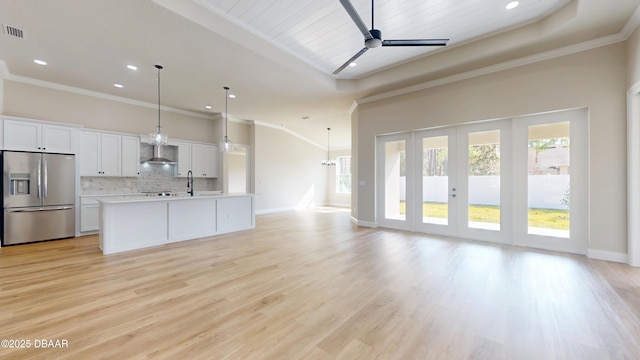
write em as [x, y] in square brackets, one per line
[321, 33]
[278, 56]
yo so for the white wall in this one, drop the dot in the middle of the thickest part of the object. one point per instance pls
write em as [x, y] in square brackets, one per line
[595, 79]
[288, 174]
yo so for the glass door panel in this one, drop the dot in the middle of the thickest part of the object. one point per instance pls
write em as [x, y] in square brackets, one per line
[483, 201]
[550, 197]
[435, 180]
[484, 189]
[395, 180]
[395, 183]
[548, 179]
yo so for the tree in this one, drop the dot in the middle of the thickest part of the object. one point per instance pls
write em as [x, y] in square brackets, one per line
[435, 161]
[540, 145]
[566, 197]
[484, 160]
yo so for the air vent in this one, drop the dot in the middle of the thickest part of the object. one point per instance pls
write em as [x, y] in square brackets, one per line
[13, 31]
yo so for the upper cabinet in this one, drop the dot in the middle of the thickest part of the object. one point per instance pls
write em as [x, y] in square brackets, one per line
[130, 155]
[100, 154]
[201, 159]
[204, 160]
[109, 154]
[184, 158]
[37, 136]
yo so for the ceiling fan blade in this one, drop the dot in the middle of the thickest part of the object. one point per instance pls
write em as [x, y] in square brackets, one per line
[356, 18]
[353, 58]
[416, 42]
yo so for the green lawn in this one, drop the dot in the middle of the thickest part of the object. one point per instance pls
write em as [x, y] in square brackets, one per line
[542, 218]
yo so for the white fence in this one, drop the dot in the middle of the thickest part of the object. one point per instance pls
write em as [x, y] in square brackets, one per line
[545, 191]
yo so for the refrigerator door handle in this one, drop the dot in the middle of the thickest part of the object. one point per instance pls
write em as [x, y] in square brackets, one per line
[39, 209]
[39, 178]
[46, 185]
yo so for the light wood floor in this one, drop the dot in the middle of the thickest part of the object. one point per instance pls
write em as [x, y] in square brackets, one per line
[310, 285]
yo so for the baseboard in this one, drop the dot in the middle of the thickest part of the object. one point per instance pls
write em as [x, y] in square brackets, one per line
[608, 256]
[364, 223]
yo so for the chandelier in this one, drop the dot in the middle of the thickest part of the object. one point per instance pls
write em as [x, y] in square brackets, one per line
[328, 162]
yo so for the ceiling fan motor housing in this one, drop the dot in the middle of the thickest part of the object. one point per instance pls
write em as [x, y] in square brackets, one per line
[376, 39]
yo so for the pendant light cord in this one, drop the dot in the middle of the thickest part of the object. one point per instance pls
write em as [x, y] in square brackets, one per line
[328, 143]
[159, 67]
[226, 114]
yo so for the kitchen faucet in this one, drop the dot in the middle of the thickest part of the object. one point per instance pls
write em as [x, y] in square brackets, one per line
[190, 182]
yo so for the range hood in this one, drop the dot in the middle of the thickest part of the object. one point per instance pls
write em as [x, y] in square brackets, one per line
[158, 157]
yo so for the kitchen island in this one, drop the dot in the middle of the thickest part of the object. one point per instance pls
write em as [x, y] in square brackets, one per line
[129, 223]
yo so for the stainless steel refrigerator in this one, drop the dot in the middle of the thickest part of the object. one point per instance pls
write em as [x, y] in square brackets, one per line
[39, 196]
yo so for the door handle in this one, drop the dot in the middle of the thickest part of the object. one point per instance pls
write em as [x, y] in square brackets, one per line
[39, 179]
[46, 180]
[40, 209]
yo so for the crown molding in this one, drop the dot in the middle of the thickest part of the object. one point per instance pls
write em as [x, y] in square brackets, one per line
[632, 24]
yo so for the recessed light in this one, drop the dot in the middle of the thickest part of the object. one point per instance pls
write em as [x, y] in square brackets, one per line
[353, 64]
[132, 67]
[119, 86]
[40, 62]
[208, 107]
[512, 5]
[232, 96]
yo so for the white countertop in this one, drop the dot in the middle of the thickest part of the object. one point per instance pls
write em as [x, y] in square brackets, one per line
[131, 198]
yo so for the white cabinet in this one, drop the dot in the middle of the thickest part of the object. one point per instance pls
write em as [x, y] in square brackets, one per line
[235, 213]
[201, 159]
[35, 136]
[130, 156]
[204, 160]
[128, 224]
[89, 214]
[184, 159]
[100, 154]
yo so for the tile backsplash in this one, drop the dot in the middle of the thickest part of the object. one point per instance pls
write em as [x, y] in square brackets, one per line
[153, 177]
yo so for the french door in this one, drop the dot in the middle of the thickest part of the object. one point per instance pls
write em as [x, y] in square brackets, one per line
[448, 181]
[551, 206]
[463, 181]
[395, 172]
[503, 181]
[437, 190]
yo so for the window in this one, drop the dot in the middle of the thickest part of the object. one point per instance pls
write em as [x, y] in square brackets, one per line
[343, 175]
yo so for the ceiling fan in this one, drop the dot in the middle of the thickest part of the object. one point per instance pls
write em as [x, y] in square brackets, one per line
[373, 37]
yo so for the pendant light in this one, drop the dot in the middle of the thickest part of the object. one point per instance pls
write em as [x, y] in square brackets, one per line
[157, 137]
[328, 162]
[226, 145]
